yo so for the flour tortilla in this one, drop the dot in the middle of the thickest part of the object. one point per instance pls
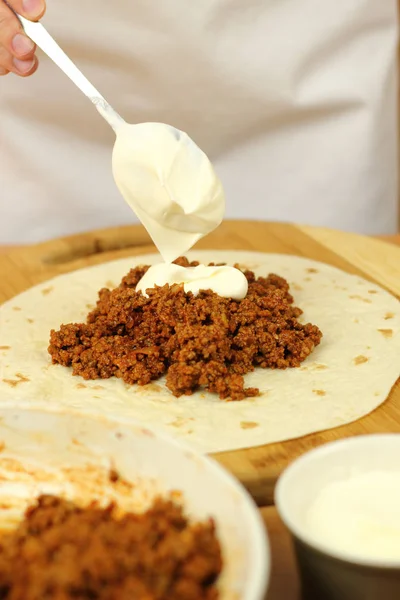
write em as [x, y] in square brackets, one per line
[348, 375]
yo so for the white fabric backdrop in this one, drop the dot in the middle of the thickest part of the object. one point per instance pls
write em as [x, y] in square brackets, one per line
[295, 102]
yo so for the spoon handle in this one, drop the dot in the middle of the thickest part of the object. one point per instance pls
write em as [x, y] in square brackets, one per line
[43, 39]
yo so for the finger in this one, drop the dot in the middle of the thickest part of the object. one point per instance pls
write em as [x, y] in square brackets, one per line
[3, 71]
[23, 68]
[31, 9]
[22, 47]
[11, 35]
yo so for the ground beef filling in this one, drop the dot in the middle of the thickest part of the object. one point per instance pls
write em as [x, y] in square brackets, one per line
[196, 341]
[61, 551]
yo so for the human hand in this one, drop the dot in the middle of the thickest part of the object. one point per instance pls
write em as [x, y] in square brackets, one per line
[17, 51]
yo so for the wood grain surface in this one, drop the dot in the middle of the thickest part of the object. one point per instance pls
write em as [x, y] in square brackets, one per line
[285, 582]
[378, 261]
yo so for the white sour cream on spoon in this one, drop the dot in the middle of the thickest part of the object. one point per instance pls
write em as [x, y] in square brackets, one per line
[169, 183]
[173, 189]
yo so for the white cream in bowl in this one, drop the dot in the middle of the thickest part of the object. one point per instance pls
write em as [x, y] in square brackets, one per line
[343, 499]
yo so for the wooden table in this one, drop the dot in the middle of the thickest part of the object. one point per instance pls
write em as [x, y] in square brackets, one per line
[284, 581]
[285, 584]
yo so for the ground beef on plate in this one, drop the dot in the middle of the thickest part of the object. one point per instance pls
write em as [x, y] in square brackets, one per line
[61, 552]
[196, 341]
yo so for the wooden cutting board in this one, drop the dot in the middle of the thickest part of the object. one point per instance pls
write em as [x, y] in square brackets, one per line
[257, 468]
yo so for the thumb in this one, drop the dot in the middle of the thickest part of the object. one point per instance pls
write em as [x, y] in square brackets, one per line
[31, 9]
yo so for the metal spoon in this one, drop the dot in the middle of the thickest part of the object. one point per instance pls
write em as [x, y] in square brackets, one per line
[43, 39]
